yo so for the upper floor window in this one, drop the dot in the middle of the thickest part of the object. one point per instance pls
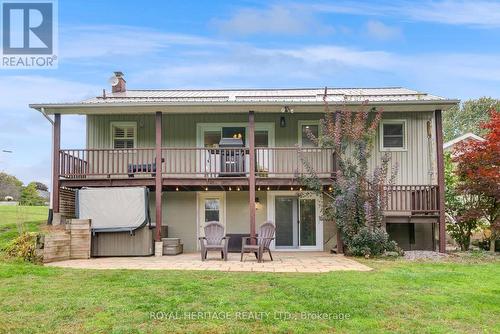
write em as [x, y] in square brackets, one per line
[306, 129]
[393, 135]
[124, 134]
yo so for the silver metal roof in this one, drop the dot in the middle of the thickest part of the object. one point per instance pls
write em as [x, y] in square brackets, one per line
[306, 95]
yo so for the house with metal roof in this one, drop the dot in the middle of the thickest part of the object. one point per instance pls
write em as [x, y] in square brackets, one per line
[231, 155]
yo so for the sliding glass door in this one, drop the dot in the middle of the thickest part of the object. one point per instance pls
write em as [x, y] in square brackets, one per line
[295, 220]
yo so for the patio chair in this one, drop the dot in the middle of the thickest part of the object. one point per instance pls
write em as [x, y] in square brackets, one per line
[214, 240]
[264, 238]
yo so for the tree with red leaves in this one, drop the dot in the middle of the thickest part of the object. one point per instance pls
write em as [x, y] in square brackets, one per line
[478, 171]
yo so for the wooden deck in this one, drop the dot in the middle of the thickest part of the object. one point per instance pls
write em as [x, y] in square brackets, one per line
[191, 162]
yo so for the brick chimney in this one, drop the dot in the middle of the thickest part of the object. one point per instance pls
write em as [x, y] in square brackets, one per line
[120, 87]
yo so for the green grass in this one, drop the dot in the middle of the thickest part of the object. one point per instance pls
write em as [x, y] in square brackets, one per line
[397, 296]
[14, 219]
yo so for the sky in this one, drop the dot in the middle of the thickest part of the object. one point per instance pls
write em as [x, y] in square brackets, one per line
[448, 48]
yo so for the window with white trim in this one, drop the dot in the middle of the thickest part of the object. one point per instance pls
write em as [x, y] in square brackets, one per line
[306, 128]
[393, 135]
[123, 134]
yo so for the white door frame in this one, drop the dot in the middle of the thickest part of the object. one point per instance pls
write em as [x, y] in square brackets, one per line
[271, 213]
[202, 195]
[259, 126]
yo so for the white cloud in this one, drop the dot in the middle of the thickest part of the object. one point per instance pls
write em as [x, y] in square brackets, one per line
[476, 13]
[480, 13]
[116, 40]
[381, 31]
[279, 20]
[340, 55]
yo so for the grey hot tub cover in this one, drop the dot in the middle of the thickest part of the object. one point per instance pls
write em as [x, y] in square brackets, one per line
[114, 209]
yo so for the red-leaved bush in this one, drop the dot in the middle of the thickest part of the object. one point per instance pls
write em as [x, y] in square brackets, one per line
[478, 171]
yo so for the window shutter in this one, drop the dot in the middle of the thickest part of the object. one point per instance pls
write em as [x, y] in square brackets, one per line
[123, 136]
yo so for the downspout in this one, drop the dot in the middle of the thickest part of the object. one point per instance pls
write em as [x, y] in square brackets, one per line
[51, 121]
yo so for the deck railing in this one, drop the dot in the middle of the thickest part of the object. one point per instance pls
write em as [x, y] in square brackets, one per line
[107, 162]
[196, 162]
[205, 162]
[277, 162]
[415, 199]
[72, 164]
[293, 161]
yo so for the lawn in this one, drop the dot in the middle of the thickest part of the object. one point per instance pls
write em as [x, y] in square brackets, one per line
[20, 218]
[397, 296]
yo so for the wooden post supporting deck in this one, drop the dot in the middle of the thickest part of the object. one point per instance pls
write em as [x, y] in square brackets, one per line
[440, 177]
[56, 147]
[251, 171]
[158, 176]
[340, 242]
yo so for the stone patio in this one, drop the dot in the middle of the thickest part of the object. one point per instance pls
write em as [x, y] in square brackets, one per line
[284, 262]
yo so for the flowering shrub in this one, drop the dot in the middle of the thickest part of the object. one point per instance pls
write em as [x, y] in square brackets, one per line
[357, 195]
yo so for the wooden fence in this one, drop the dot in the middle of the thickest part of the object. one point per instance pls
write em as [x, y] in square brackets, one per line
[65, 242]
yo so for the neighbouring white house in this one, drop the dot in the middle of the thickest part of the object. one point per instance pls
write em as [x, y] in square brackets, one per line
[450, 146]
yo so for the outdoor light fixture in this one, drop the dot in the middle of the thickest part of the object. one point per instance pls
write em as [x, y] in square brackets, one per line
[268, 188]
[230, 189]
[257, 204]
[238, 188]
[176, 188]
[282, 122]
[206, 188]
[285, 109]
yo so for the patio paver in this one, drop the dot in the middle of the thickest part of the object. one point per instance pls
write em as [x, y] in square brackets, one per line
[302, 262]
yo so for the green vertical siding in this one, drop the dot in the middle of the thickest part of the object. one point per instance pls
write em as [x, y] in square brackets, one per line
[99, 129]
[179, 130]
